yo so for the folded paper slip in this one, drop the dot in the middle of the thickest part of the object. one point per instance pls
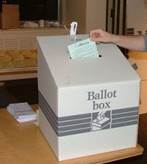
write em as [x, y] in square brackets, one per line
[22, 112]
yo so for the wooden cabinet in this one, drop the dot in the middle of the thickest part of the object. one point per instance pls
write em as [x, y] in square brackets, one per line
[25, 38]
[9, 16]
[22, 39]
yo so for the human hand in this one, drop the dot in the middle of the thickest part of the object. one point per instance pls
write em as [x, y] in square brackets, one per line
[100, 35]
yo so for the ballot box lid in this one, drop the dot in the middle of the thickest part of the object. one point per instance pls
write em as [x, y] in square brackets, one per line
[111, 66]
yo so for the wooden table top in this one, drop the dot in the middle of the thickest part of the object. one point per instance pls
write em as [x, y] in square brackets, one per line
[23, 143]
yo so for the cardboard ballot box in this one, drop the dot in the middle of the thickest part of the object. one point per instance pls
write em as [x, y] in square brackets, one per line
[87, 106]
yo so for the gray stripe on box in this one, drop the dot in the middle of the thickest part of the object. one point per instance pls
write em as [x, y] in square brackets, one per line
[76, 124]
[124, 124]
[67, 118]
[124, 110]
[65, 133]
[124, 114]
[125, 119]
[73, 124]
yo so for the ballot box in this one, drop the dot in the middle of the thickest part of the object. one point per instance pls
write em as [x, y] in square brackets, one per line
[87, 105]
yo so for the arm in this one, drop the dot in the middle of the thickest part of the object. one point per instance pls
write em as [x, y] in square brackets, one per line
[129, 42]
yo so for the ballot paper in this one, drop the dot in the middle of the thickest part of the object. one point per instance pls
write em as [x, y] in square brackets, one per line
[83, 49]
[22, 112]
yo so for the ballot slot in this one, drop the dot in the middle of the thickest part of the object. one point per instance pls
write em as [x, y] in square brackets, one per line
[81, 48]
[100, 53]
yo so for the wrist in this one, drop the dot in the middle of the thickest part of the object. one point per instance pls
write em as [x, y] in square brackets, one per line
[115, 39]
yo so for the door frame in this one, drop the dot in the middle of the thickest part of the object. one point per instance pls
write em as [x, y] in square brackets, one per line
[116, 16]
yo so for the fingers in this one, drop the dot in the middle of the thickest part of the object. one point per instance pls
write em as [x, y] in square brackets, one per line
[95, 35]
[99, 35]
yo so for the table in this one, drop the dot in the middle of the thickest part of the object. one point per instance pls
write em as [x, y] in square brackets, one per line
[18, 75]
[22, 143]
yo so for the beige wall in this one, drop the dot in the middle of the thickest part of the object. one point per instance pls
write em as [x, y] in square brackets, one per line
[75, 11]
[96, 14]
[137, 14]
[89, 14]
[63, 11]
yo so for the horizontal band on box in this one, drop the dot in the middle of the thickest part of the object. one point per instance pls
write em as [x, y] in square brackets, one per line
[88, 122]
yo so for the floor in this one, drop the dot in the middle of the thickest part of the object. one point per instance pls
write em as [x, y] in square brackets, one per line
[19, 91]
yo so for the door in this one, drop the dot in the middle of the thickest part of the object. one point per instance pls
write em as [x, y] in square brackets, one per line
[116, 16]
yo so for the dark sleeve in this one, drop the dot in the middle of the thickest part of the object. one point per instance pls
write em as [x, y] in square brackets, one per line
[145, 42]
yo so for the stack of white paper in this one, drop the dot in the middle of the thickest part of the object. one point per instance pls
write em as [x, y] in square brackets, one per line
[22, 112]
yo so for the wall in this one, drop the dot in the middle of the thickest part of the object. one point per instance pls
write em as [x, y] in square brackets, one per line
[89, 14]
[137, 15]
[96, 14]
[75, 11]
[63, 11]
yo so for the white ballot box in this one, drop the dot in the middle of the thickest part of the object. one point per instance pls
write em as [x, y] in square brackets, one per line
[87, 105]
